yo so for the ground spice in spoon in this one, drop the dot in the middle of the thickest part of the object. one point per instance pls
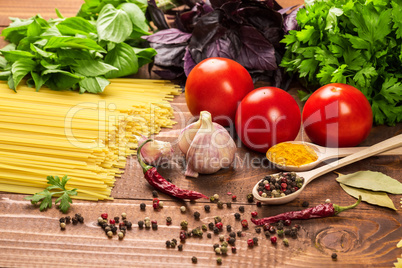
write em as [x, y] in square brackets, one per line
[290, 154]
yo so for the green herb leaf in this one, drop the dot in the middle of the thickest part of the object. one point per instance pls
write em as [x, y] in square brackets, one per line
[144, 55]
[137, 17]
[21, 68]
[73, 42]
[124, 59]
[374, 181]
[113, 24]
[65, 200]
[92, 67]
[44, 197]
[93, 84]
[61, 80]
[371, 197]
[76, 25]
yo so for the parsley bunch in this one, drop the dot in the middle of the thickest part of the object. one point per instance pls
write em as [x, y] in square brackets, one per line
[356, 42]
[45, 197]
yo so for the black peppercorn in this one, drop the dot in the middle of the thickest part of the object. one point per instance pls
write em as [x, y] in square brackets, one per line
[239, 233]
[237, 216]
[233, 249]
[232, 234]
[216, 230]
[74, 220]
[62, 219]
[228, 228]
[154, 226]
[267, 234]
[305, 204]
[258, 230]
[288, 232]
[142, 206]
[232, 241]
[279, 226]
[116, 219]
[250, 197]
[129, 225]
[113, 228]
[209, 235]
[211, 225]
[259, 204]
[174, 241]
[194, 259]
[168, 243]
[180, 247]
[141, 224]
[154, 193]
[241, 209]
[334, 256]
[68, 219]
[207, 208]
[255, 240]
[216, 246]
[197, 215]
[229, 204]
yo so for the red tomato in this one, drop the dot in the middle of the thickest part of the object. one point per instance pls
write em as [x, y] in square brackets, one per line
[217, 85]
[267, 116]
[337, 115]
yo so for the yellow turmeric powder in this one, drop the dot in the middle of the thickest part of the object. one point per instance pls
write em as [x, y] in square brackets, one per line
[291, 154]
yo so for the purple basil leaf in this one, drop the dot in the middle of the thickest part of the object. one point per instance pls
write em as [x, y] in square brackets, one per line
[260, 17]
[290, 22]
[228, 46]
[231, 11]
[156, 15]
[207, 29]
[189, 63]
[257, 52]
[188, 19]
[169, 73]
[218, 3]
[168, 36]
[274, 35]
[169, 55]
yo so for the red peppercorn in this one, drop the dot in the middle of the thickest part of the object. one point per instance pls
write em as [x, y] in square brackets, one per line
[112, 221]
[284, 185]
[229, 193]
[284, 180]
[121, 224]
[155, 205]
[259, 204]
[287, 222]
[244, 223]
[267, 187]
[154, 222]
[250, 242]
[234, 197]
[266, 226]
[259, 193]
[273, 239]
[104, 216]
[254, 214]
[219, 225]
[233, 249]
[183, 235]
[296, 188]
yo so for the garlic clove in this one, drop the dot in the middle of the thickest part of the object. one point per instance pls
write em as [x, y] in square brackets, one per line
[155, 152]
[187, 135]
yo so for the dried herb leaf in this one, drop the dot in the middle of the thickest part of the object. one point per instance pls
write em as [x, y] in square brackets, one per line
[374, 181]
[399, 245]
[375, 198]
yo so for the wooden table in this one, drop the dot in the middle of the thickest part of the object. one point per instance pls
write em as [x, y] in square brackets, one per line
[363, 237]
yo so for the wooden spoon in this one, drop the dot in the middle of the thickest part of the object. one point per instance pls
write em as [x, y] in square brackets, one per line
[326, 153]
[308, 176]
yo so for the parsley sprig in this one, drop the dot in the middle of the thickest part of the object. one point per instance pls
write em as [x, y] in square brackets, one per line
[45, 197]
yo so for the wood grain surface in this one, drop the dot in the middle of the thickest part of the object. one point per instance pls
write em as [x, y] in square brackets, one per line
[363, 237]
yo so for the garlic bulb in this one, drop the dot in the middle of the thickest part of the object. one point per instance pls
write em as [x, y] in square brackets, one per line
[155, 152]
[208, 146]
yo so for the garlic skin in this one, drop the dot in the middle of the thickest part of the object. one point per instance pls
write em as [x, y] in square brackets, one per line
[155, 152]
[208, 146]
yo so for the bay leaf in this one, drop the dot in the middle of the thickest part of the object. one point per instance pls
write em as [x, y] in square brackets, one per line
[374, 198]
[370, 180]
[399, 245]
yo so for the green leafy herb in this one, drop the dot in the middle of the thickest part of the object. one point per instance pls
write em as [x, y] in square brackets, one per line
[371, 197]
[357, 42]
[374, 181]
[102, 41]
[45, 197]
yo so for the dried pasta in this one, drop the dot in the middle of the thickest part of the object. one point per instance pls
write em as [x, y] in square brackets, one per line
[84, 136]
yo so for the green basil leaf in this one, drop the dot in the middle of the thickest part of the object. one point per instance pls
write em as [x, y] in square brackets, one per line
[65, 54]
[16, 30]
[15, 55]
[73, 42]
[49, 65]
[39, 80]
[51, 32]
[41, 52]
[144, 55]
[142, 4]
[34, 29]
[4, 76]
[123, 58]
[61, 80]
[113, 24]
[20, 69]
[374, 181]
[371, 197]
[93, 84]
[92, 67]
[3, 63]
[137, 17]
[76, 25]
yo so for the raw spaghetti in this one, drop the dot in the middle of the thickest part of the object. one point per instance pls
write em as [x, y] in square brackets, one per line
[84, 136]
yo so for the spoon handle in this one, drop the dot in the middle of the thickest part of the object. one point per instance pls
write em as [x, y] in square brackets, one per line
[342, 152]
[388, 144]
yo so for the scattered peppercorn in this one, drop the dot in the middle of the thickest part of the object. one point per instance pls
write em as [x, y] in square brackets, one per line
[224, 250]
[280, 233]
[218, 250]
[217, 219]
[229, 204]
[287, 222]
[62, 225]
[279, 226]
[250, 242]
[267, 234]
[219, 225]
[204, 228]
[220, 204]
[168, 243]
[237, 216]
[255, 239]
[209, 235]
[154, 193]
[239, 233]
[234, 197]
[62, 219]
[216, 196]
[286, 242]
[221, 238]
[219, 261]
[211, 226]
[254, 214]
[68, 219]
[250, 197]
[142, 206]
[228, 228]
[259, 204]
[168, 220]
[74, 220]
[234, 249]
[104, 216]
[212, 199]
[305, 204]
[334, 256]
[207, 208]
[183, 209]
[197, 215]
[232, 234]
[244, 223]
[194, 259]
[123, 216]
[110, 234]
[161, 204]
[184, 224]
[112, 221]
[140, 224]
[272, 229]
[120, 235]
[273, 239]
[174, 242]
[258, 230]
[232, 241]
[123, 229]
[241, 209]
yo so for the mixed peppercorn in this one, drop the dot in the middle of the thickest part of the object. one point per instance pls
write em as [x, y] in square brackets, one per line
[279, 185]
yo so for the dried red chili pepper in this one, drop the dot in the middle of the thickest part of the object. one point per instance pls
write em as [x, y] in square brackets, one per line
[161, 184]
[320, 211]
